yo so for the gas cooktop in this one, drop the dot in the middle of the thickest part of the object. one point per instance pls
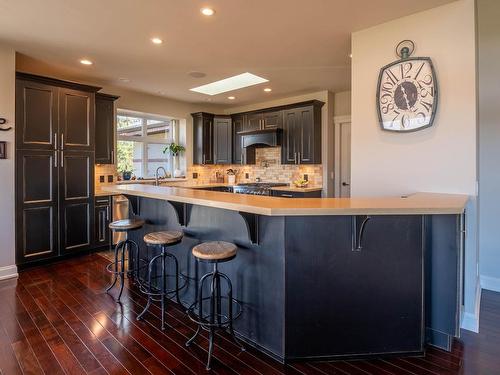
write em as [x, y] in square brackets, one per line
[256, 188]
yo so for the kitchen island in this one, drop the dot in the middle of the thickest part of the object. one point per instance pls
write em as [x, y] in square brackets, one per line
[324, 277]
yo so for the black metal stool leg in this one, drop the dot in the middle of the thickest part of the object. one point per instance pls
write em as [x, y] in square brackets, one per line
[200, 307]
[150, 288]
[212, 316]
[122, 269]
[230, 310]
[115, 275]
[163, 287]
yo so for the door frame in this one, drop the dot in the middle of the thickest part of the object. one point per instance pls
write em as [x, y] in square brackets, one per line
[338, 121]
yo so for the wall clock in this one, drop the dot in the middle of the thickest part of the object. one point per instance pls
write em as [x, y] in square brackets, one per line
[407, 92]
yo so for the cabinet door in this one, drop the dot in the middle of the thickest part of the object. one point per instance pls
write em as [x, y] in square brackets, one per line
[36, 115]
[197, 139]
[238, 126]
[36, 205]
[223, 140]
[208, 140]
[76, 190]
[102, 217]
[272, 120]
[76, 114]
[306, 134]
[253, 121]
[291, 134]
[104, 130]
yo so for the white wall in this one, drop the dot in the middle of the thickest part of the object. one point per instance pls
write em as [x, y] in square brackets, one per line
[437, 159]
[7, 209]
[326, 127]
[489, 142]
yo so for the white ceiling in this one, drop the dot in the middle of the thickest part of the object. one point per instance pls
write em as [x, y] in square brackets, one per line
[299, 45]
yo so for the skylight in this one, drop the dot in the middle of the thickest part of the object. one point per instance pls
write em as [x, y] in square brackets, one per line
[229, 84]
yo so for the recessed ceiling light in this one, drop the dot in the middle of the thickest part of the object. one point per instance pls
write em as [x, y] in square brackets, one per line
[86, 62]
[207, 11]
[156, 40]
[350, 55]
[229, 84]
[268, 89]
[123, 79]
[231, 97]
[196, 74]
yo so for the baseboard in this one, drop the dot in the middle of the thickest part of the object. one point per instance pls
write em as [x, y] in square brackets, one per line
[490, 283]
[470, 321]
[8, 272]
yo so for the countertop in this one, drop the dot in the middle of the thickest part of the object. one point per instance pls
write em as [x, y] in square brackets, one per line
[418, 203]
[151, 181]
[279, 188]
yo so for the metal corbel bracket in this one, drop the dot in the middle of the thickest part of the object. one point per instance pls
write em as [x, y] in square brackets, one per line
[183, 211]
[134, 204]
[252, 222]
[358, 228]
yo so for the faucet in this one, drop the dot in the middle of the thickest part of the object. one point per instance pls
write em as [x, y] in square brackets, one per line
[157, 178]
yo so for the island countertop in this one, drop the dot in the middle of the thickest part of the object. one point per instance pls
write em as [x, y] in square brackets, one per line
[415, 204]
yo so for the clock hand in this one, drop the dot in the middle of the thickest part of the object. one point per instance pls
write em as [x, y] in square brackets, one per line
[406, 97]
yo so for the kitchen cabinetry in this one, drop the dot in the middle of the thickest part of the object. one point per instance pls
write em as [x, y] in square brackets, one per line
[105, 128]
[223, 140]
[54, 167]
[102, 218]
[241, 155]
[203, 138]
[264, 120]
[302, 135]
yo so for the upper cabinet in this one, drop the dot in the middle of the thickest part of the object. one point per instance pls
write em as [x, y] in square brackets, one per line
[301, 142]
[264, 120]
[105, 128]
[223, 140]
[241, 155]
[203, 138]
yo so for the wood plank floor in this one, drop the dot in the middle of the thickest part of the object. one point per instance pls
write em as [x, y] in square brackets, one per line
[56, 319]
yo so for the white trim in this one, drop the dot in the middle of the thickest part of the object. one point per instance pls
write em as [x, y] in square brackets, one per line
[470, 321]
[8, 272]
[341, 119]
[490, 283]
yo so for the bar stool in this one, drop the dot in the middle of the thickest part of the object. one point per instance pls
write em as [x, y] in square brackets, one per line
[121, 248]
[214, 252]
[163, 240]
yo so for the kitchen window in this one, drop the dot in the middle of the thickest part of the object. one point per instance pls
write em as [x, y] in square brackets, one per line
[141, 139]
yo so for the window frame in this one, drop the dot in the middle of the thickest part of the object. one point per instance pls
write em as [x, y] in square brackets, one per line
[146, 140]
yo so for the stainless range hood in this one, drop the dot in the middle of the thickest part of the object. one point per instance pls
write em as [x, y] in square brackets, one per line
[261, 138]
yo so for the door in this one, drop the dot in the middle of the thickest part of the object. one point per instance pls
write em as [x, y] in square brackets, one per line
[102, 217]
[223, 139]
[272, 120]
[306, 135]
[36, 116]
[76, 185]
[36, 205]
[76, 112]
[104, 130]
[290, 136]
[345, 159]
[208, 140]
[254, 122]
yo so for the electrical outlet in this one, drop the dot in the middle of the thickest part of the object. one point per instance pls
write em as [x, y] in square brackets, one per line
[247, 175]
[110, 178]
[306, 177]
[195, 175]
[101, 179]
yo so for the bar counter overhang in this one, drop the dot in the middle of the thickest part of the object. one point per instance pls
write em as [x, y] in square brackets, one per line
[324, 277]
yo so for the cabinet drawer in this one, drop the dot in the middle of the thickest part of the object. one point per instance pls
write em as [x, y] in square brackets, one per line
[296, 194]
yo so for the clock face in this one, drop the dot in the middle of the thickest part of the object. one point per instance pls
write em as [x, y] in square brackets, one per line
[407, 95]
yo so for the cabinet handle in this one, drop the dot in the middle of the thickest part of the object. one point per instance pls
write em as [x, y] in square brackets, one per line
[241, 162]
[62, 141]
[62, 159]
[112, 157]
[287, 195]
[298, 157]
[55, 141]
[55, 159]
[295, 157]
[203, 159]
[107, 213]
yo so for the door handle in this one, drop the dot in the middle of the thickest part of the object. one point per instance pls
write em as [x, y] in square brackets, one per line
[345, 184]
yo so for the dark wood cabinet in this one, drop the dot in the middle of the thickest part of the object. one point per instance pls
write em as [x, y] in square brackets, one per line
[105, 128]
[302, 135]
[203, 138]
[102, 218]
[272, 120]
[241, 155]
[54, 167]
[223, 140]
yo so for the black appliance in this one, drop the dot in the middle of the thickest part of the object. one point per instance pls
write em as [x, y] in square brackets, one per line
[256, 188]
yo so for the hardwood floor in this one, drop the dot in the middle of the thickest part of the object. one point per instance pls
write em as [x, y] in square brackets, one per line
[56, 319]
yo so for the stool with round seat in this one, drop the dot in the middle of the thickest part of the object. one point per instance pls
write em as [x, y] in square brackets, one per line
[121, 248]
[160, 293]
[214, 252]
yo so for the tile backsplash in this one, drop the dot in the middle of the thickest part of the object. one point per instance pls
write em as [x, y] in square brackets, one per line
[268, 168]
